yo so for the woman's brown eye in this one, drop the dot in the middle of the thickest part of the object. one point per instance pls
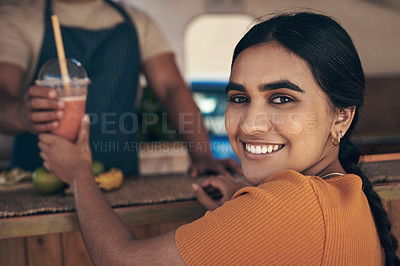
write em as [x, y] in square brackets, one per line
[282, 100]
[238, 99]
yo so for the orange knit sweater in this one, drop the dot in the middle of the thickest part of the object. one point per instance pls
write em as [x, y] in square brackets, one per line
[289, 219]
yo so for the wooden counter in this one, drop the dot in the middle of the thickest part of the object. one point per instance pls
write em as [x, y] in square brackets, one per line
[54, 239]
[68, 222]
[44, 230]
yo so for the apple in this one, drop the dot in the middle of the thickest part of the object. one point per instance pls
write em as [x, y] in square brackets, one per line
[45, 182]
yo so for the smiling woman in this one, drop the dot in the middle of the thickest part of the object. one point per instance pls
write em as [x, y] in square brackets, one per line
[294, 92]
[272, 99]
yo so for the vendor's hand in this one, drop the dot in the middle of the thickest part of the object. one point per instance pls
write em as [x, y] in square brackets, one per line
[227, 186]
[65, 159]
[41, 110]
[210, 165]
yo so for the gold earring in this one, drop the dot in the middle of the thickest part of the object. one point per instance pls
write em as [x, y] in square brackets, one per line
[336, 141]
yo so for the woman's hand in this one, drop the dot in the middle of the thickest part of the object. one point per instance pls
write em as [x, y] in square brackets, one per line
[227, 186]
[65, 159]
[208, 164]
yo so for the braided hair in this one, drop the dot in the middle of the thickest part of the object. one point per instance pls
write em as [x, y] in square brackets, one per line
[335, 65]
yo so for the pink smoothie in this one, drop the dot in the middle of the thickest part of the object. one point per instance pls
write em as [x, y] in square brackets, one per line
[74, 109]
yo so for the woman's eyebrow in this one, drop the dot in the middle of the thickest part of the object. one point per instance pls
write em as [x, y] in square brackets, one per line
[281, 84]
[232, 86]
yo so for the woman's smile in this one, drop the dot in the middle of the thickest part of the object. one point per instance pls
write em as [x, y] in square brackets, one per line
[257, 150]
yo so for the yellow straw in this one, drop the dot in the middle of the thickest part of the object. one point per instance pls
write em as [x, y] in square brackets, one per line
[60, 52]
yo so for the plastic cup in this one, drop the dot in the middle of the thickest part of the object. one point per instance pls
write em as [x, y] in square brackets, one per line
[73, 94]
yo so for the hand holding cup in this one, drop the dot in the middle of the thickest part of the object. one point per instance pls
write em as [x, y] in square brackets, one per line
[71, 95]
[41, 110]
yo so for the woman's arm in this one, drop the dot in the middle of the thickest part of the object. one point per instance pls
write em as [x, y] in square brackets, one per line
[108, 240]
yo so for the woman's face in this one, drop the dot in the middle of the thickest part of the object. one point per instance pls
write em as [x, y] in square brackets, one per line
[277, 117]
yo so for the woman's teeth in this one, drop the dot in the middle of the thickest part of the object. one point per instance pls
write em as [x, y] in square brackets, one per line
[262, 149]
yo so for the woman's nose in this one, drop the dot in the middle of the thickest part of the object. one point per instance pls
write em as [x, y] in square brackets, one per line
[254, 121]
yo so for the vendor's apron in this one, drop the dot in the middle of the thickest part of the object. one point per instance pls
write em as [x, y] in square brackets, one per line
[111, 58]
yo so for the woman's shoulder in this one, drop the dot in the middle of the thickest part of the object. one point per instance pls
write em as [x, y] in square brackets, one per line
[294, 178]
[283, 190]
[295, 187]
[280, 183]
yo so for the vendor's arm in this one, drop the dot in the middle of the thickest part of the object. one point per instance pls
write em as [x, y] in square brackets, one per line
[108, 239]
[164, 78]
[36, 111]
[10, 104]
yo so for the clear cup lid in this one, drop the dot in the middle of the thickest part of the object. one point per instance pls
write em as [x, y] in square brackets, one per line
[50, 74]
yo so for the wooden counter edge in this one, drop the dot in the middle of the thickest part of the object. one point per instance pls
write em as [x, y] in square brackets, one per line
[68, 222]
[380, 157]
[134, 215]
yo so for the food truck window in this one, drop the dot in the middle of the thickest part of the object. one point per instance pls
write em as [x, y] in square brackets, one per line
[208, 47]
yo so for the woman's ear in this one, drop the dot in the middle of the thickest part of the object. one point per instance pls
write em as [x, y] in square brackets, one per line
[342, 122]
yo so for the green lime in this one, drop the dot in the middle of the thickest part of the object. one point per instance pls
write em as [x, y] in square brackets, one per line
[98, 168]
[45, 182]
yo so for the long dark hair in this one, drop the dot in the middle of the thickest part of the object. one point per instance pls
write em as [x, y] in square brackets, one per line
[335, 64]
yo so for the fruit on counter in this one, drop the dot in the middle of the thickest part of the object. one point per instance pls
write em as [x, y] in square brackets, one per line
[45, 182]
[98, 167]
[111, 179]
[14, 176]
